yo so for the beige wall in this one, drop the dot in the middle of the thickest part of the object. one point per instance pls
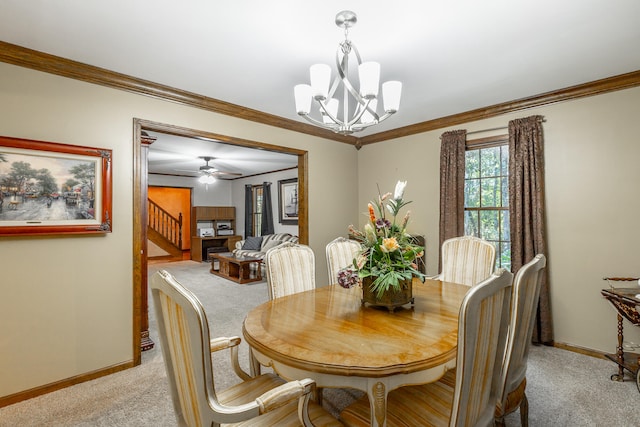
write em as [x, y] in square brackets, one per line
[593, 201]
[66, 305]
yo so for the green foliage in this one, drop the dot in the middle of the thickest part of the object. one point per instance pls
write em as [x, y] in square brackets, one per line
[388, 253]
[486, 198]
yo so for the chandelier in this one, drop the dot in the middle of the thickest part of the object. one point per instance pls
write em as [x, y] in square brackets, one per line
[358, 109]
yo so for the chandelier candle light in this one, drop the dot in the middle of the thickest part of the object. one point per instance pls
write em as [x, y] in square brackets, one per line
[362, 113]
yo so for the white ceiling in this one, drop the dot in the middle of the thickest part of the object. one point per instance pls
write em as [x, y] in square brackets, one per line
[180, 156]
[452, 56]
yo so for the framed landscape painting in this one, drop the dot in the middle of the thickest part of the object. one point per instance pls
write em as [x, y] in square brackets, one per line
[52, 188]
[288, 201]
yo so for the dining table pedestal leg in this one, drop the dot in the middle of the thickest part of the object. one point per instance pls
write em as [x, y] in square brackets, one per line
[377, 392]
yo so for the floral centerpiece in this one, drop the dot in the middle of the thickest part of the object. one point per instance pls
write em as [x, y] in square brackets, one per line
[388, 253]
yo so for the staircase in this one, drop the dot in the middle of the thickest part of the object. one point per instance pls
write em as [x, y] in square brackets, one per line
[164, 230]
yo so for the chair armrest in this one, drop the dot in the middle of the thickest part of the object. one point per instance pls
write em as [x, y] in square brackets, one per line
[222, 343]
[281, 395]
[232, 344]
[239, 244]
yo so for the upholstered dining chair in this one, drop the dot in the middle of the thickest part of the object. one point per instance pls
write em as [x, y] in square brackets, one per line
[468, 395]
[290, 268]
[340, 254]
[524, 303]
[264, 400]
[466, 260]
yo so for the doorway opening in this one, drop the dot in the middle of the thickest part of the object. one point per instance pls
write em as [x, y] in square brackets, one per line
[140, 213]
[169, 223]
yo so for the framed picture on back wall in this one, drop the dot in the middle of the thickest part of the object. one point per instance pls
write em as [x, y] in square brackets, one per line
[288, 201]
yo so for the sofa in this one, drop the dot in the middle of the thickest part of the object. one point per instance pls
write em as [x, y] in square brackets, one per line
[257, 246]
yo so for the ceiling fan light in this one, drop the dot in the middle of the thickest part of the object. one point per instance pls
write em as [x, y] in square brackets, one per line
[320, 78]
[207, 179]
[303, 99]
[391, 92]
[369, 74]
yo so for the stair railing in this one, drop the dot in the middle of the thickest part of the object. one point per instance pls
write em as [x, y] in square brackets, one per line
[165, 224]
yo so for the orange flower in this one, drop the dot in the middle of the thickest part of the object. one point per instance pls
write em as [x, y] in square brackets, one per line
[372, 214]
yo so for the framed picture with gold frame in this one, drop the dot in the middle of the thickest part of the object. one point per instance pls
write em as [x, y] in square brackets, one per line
[51, 188]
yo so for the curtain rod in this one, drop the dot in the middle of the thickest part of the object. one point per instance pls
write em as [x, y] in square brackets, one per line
[498, 128]
[494, 129]
[487, 130]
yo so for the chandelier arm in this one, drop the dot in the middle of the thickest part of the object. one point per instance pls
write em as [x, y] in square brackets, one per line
[319, 123]
[373, 113]
[337, 122]
[362, 126]
[385, 116]
[342, 72]
[334, 87]
[356, 117]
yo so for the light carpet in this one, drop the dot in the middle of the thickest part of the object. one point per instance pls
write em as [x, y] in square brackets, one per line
[564, 388]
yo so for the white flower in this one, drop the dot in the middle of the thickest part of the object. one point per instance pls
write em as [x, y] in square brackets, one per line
[399, 192]
[370, 233]
[391, 206]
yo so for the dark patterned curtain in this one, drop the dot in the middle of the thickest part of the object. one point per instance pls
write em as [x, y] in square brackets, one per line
[452, 155]
[527, 212]
[248, 215]
[267, 210]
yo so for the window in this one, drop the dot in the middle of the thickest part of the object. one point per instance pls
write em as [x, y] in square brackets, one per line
[256, 209]
[486, 196]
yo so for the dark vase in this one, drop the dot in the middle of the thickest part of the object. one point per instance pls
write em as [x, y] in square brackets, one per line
[391, 298]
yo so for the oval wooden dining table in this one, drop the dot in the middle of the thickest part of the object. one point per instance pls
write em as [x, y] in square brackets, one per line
[327, 334]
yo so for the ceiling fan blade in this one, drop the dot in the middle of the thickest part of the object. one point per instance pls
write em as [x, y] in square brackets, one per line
[189, 171]
[208, 169]
[226, 173]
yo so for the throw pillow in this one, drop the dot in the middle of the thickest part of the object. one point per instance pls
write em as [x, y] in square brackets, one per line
[252, 243]
[271, 244]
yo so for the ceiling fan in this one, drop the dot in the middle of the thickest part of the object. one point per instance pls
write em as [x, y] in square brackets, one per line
[208, 170]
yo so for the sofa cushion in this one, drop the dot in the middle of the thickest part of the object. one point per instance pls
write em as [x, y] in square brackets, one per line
[252, 243]
[270, 244]
[282, 237]
[259, 253]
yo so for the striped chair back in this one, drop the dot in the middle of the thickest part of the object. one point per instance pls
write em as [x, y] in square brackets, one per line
[258, 401]
[482, 333]
[290, 269]
[184, 331]
[467, 396]
[467, 260]
[526, 291]
[340, 254]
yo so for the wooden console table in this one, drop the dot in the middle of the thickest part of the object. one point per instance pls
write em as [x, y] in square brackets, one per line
[236, 268]
[199, 245]
[626, 302]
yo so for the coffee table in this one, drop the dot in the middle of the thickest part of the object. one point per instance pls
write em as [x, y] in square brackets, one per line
[236, 268]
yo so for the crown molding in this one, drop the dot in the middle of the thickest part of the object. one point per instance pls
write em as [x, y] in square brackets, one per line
[610, 84]
[40, 61]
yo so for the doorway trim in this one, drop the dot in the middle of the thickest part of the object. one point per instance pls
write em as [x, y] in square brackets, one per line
[140, 183]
